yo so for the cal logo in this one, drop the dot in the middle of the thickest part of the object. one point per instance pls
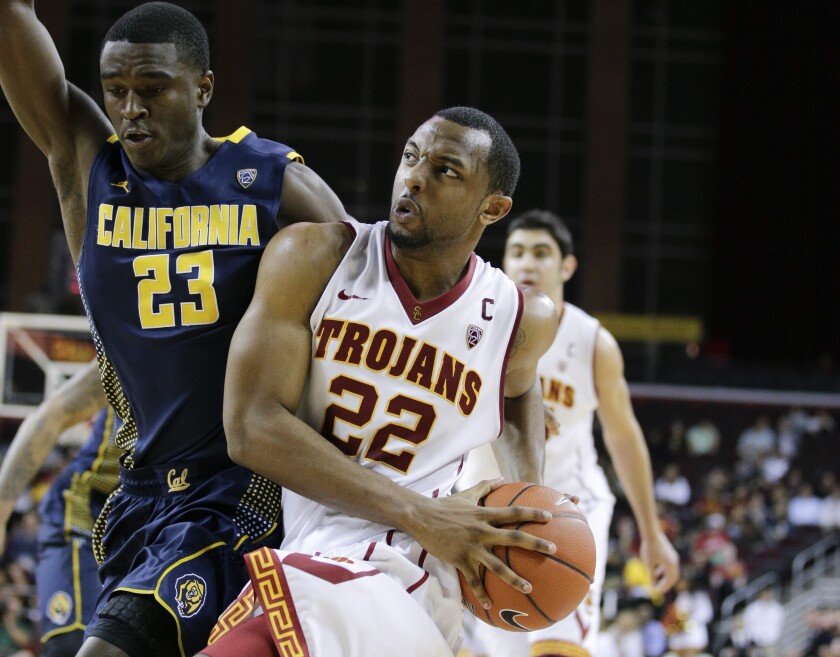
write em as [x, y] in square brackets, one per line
[59, 607]
[474, 334]
[246, 177]
[190, 594]
[177, 482]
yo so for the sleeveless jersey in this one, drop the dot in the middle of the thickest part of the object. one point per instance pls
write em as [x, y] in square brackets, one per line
[167, 270]
[568, 380]
[74, 500]
[402, 387]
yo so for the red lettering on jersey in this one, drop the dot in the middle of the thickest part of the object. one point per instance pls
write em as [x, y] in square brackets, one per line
[398, 367]
[352, 343]
[469, 397]
[330, 329]
[423, 366]
[381, 350]
[568, 397]
[449, 378]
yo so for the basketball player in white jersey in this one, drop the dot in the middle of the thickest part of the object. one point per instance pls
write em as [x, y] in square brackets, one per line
[361, 386]
[582, 373]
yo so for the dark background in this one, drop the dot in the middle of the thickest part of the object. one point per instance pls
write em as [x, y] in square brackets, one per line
[692, 146]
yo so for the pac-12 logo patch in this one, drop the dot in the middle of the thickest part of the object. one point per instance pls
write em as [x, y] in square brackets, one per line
[474, 334]
[246, 177]
[190, 594]
[60, 607]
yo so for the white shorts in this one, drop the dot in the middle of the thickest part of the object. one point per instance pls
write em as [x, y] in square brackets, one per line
[323, 606]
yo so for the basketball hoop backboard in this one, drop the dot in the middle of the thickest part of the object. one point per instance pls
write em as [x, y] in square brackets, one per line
[37, 353]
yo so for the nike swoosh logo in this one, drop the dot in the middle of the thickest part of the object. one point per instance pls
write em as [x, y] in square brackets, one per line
[345, 296]
[509, 617]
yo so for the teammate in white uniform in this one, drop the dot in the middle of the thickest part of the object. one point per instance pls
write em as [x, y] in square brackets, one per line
[397, 350]
[582, 373]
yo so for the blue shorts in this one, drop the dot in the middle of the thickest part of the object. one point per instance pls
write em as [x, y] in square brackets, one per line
[179, 532]
[68, 586]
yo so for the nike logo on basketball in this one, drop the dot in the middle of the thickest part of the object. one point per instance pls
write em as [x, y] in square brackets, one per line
[345, 296]
[509, 617]
[122, 185]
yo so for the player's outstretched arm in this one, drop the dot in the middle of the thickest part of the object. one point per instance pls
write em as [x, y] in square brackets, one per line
[76, 400]
[630, 457]
[520, 450]
[65, 123]
[266, 373]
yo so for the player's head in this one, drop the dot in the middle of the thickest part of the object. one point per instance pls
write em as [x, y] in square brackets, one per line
[156, 82]
[163, 22]
[539, 251]
[457, 174]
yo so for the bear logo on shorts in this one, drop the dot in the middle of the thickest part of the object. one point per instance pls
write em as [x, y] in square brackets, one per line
[59, 607]
[190, 594]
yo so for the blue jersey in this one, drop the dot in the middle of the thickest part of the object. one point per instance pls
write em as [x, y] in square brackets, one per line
[167, 270]
[74, 500]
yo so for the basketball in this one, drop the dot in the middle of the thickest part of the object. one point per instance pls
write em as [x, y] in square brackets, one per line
[559, 581]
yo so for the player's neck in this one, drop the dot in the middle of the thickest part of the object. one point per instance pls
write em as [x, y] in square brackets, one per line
[429, 276]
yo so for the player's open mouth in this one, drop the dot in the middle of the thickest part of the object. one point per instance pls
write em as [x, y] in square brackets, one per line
[135, 138]
[405, 208]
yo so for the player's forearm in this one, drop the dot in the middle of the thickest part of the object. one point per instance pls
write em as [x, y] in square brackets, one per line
[631, 460]
[520, 450]
[28, 451]
[277, 445]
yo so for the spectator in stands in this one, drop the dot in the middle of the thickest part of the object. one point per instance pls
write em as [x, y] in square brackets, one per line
[764, 618]
[702, 439]
[23, 542]
[774, 466]
[830, 510]
[17, 636]
[804, 508]
[824, 623]
[715, 553]
[687, 619]
[623, 637]
[756, 440]
[788, 437]
[672, 486]
[737, 642]
[825, 484]
[654, 637]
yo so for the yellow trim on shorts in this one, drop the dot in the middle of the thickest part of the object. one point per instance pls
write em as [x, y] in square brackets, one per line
[77, 599]
[160, 600]
[558, 648]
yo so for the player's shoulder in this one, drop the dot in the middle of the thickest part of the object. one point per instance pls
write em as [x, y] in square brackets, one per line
[539, 319]
[308, 241]
[247, 139]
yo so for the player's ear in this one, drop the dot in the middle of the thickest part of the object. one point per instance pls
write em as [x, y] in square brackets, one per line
[496, 207]
[205, 88]
[568, 267]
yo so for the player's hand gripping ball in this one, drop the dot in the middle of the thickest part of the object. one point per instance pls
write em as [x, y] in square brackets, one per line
[559, 581]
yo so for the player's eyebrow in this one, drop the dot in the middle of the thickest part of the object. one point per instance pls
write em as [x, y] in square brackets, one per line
[157, 74]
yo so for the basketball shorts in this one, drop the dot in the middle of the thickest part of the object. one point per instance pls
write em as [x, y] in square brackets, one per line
[322, 606]
[68, 586]
[577, 634]
[178, 533]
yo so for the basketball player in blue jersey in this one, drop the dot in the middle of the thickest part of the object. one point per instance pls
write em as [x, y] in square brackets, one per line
[166, 226]
[66, 576]
[400, 351]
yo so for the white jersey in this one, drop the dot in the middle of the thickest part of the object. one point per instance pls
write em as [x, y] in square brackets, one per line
[568, 379]
[403, 387]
